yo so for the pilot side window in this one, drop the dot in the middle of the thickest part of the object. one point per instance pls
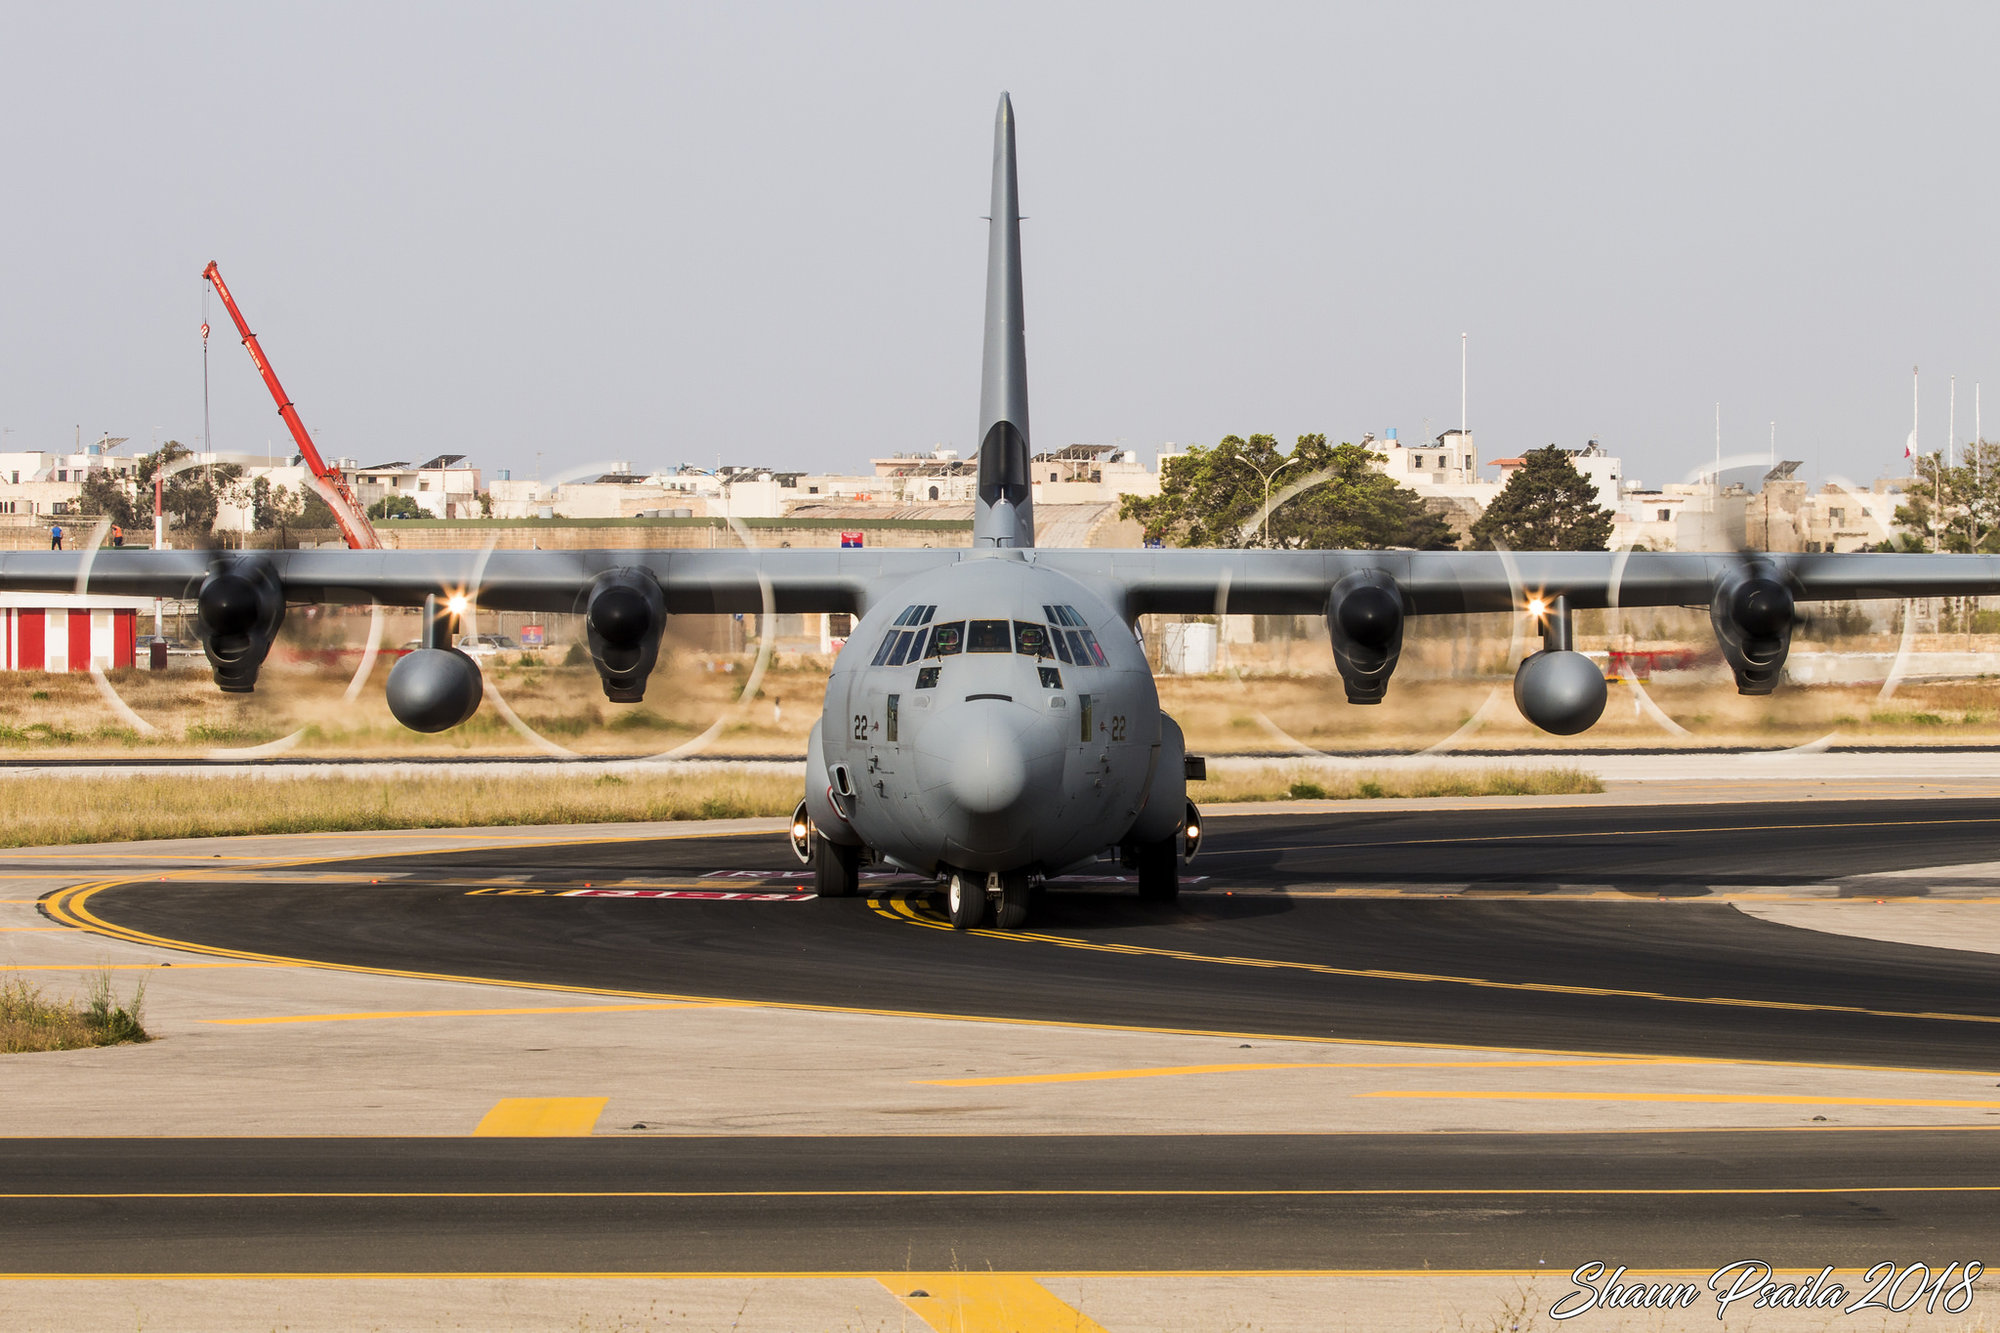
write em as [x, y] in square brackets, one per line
[902, 645]
[989, 636]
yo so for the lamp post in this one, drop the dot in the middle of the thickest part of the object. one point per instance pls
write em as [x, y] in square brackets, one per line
[1264, 524]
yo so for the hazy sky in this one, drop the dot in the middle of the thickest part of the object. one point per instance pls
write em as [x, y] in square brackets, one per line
[547, 235]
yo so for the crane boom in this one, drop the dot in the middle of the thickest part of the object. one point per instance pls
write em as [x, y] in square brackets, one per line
[354, 524]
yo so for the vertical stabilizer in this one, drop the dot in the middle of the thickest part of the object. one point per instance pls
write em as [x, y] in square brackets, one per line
[1005, 512]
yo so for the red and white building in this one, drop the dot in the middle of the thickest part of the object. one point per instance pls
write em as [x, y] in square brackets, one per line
[57, 632]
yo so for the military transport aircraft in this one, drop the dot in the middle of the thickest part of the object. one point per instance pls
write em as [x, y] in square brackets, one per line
[992, 720]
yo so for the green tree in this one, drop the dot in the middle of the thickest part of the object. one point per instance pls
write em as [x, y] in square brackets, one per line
[1323, 499]
[1547, 505]
[1953, 508]
[104, 495]
[397, 506]
[192, 495]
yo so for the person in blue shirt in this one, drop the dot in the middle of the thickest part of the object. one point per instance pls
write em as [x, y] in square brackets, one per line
[55, 536]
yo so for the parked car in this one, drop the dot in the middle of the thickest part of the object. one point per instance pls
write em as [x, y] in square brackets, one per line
[485, 645]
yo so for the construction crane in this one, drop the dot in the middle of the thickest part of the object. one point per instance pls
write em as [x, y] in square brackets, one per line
[354, 524]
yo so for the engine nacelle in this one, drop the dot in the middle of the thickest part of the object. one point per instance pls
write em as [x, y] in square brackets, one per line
[434, 689]
[1364, 617]
[237, 614]
[624, 615]
[1753, 612]
[1560, 691]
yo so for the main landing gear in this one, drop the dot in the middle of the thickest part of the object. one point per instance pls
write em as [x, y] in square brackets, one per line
[836, 866]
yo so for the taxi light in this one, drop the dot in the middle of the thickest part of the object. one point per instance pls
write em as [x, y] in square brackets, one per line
[1537, 607]
[457, 603]
[802, 831]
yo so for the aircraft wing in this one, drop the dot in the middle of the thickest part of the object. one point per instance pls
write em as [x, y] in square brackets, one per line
[1186, 582]
[695, 582]
[1203, 582]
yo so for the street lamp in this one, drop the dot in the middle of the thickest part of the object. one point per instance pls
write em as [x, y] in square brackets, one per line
[1264, 524]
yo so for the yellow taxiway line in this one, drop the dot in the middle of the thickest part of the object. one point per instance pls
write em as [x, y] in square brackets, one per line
[472, 1013]
[1716, 1098]
[1171, 1071]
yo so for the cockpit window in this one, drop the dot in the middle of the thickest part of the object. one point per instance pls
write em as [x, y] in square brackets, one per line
[989, 636]
[1090, 642]
[1030, 639]
[1060, 644]
[947, 638]
[900, 645]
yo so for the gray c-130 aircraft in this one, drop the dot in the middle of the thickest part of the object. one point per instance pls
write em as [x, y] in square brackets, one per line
[992, 721]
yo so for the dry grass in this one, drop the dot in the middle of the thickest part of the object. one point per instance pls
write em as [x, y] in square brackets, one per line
[123, 809]
[30, 1021]
[126, 809]
[1301, 783]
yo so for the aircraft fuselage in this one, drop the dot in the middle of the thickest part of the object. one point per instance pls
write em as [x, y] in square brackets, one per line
[991, 716]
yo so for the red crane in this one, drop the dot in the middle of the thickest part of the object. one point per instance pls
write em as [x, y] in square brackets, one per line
[354, 524]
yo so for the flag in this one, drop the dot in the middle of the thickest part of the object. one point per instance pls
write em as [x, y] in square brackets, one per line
[1910, 446]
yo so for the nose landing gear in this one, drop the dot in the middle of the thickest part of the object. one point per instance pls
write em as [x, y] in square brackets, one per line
[966, 893]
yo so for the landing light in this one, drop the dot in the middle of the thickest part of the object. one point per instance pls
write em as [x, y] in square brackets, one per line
[1537, 607]
[457, 603]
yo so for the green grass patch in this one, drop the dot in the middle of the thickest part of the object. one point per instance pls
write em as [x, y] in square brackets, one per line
[32, 1021]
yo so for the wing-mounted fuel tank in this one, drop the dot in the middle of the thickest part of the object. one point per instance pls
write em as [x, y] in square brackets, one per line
[624, 615]
[1364, 617]
[237, 615]
[1753, 611]
[438, 686]
[1558, 689]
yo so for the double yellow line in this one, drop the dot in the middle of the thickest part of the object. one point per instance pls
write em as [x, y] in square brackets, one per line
[913, 913]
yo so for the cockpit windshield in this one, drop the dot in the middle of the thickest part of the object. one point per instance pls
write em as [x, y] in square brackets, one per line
[913, 638]
[989, 636]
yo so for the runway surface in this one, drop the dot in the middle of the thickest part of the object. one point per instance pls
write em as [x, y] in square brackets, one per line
[1034, 1204]
[1580, 929]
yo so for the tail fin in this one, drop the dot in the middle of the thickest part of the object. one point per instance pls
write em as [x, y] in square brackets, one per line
[1005, 512]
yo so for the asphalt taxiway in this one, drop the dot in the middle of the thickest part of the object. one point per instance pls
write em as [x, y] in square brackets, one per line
[1570, 928]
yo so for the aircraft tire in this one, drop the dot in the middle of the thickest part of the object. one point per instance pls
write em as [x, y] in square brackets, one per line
[1159, 871]
[965, 898]
[1016, 893]
[836, 868]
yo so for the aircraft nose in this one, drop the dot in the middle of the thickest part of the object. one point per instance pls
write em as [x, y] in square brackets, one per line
[989, 770]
